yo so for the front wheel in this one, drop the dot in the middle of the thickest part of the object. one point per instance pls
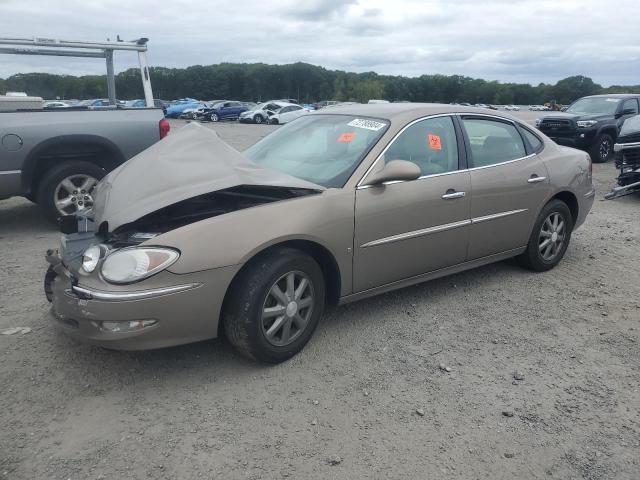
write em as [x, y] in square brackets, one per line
[273, 121]
[258, 119]
[550, 237]
[214, 117]
[602, 149]
[274, 306]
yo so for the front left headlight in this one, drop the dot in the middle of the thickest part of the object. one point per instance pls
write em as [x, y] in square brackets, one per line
[137, 263]
[586, 123]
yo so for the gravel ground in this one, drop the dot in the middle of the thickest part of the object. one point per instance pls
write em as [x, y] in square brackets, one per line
[493, 373]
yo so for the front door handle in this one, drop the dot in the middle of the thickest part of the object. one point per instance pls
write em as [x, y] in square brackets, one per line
[536, 179]
[451, 194]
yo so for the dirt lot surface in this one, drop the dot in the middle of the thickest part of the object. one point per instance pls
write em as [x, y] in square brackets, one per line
[496, 373]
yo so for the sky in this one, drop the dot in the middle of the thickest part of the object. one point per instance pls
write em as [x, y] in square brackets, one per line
[527, 41]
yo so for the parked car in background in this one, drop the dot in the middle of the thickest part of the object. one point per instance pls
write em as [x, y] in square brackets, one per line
[287, 113]
[55, 157]
[512, 108]
[627, 155]
[175, 109]
[261, 112]
[325, 103]
[55, 104]
[226, 110]
[591, 123]
[158, 264]
[492, 107]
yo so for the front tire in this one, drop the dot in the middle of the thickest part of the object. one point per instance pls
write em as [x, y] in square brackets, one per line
[275, 305]
[550, 237]
[602, 149]
[258, 119]
[67, 189]
[214, 117]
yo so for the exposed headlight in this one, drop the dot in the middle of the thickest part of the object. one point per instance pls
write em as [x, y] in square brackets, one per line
[538, 121]
[134, 264]
[586, 123]
[91, 257]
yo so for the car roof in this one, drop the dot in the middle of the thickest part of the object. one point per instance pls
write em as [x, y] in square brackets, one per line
[407, 111]
[614, 95]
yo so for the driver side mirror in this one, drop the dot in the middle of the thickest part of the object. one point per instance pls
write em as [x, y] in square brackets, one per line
[395, 170]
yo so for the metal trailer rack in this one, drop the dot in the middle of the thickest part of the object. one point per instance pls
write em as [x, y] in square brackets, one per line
[69, 48]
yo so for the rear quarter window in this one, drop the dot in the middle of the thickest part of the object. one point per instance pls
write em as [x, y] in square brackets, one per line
[532, 139]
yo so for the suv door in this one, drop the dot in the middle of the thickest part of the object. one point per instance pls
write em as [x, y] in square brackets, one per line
[509, 182]
[404, 229]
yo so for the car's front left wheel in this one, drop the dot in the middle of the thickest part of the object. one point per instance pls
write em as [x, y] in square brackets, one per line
[274, 305]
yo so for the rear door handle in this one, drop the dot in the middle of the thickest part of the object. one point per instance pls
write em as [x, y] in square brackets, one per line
[536, 179]
[452, 194]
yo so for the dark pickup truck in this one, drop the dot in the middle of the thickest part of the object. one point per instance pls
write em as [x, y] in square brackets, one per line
[591, 123]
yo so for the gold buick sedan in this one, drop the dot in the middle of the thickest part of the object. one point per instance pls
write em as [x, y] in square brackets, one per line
[192, 239]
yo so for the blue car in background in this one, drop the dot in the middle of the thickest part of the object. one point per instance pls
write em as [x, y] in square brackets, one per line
[174, 111]
[227, 109]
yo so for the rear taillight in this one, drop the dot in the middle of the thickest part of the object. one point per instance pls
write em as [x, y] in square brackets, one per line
[164, 128]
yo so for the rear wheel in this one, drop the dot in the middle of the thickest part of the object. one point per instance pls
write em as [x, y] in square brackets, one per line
[550, 237]
[274, 306]
[602, 149]
[68, 188]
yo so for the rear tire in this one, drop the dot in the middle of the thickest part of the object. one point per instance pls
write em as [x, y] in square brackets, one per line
[602, 149]
[255, 320]
[49, 184]
[550, 237]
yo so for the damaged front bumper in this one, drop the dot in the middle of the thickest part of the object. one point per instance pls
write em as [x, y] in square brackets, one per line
[162, 311]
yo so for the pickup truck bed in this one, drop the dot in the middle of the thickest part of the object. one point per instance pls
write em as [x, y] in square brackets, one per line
[55, 157]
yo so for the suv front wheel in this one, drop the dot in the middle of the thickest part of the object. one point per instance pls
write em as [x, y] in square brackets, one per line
[602, 149]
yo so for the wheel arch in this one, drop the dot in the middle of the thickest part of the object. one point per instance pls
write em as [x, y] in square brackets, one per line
[570, 199]
[324, 258]
[96, 149]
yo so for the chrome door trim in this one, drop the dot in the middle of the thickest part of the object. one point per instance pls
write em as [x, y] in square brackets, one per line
[416, 233]
[495, 216]
[10, 172]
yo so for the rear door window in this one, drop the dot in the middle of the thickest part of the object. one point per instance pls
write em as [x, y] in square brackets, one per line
[492, 141]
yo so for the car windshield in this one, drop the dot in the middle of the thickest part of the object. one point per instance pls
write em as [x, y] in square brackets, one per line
[595, 105]
[323, 149]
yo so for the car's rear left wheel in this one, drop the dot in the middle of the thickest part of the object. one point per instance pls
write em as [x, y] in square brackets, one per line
[274, 306]
[550, 237]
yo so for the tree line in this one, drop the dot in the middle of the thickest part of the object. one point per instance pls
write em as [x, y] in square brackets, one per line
[304, 82]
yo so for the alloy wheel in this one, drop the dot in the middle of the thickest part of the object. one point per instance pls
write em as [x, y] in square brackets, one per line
[287, 308]
[605, 148]
[74, 194]
[552, 236]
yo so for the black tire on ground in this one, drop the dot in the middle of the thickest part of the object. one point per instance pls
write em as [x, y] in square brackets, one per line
[273, 121]
[533, 257]
[50, 181]
[602, 149]
[242, 315]
[258, 119]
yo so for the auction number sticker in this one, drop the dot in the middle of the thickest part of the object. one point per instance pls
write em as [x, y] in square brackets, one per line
[434, 142]
[347, 137]
[367, 124]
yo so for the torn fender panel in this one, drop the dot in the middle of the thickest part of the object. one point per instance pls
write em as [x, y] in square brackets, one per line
[190, 162]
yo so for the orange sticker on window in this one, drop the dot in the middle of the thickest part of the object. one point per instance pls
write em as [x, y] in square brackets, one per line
[346, 137]
[434, 142]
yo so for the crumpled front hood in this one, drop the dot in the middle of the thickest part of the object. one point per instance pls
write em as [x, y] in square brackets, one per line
[190, 162]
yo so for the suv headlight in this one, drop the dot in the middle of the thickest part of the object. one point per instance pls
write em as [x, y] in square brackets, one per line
[538, 121]
[586, 123]
[137, 263]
